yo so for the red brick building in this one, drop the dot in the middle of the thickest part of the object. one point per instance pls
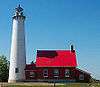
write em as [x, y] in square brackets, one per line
[56, 66]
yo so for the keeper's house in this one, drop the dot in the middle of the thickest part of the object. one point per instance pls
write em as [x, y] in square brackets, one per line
[56, 66]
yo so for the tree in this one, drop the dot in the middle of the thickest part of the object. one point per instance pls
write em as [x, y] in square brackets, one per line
[4, 68]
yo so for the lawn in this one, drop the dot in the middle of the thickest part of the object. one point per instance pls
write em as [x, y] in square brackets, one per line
[50, 85]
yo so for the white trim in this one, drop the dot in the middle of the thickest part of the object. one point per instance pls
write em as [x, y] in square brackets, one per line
[67, 76]
[45, 76]
[55, 76]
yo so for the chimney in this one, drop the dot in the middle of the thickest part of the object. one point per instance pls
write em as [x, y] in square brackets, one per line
[72, 48]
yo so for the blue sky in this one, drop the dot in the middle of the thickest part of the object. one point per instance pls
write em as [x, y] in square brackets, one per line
[54, 24]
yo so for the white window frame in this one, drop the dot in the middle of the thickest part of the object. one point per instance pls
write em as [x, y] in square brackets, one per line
[56, 72]
[45, 73]
[81, 77]
[67, 73]
[32, 74]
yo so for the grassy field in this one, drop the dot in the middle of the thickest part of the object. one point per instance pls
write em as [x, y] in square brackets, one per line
[50, 85]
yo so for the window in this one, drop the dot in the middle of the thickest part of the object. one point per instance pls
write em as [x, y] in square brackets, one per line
[56, 73]
[45, 72]
[16, 70]
[32, 74]
[81, 77]
[67, 72]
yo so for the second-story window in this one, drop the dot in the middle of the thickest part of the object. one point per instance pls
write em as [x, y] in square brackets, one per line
[56, 73]
[45, 72]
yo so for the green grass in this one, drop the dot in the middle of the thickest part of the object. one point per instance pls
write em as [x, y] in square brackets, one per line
[67, 85]
[52, 85]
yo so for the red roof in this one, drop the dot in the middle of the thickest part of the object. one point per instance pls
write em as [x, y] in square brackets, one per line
[58, 58]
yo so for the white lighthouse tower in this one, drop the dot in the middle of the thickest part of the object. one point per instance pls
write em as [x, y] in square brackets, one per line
[18, 52]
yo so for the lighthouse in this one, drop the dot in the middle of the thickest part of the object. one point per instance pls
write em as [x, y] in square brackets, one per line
[18, 52]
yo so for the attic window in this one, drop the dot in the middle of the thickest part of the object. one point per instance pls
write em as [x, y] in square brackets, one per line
[45, 72]
[67, 72]
[56, 73]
